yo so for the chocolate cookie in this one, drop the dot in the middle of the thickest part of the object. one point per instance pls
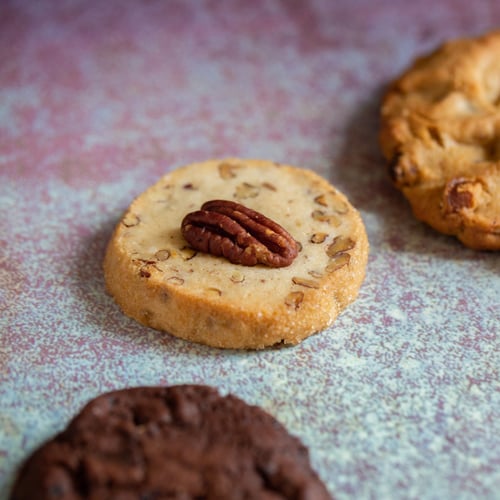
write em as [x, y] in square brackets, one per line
[237, 254]
[183, 442]
[440, 133]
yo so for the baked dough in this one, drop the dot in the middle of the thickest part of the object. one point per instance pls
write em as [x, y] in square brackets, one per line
[158, 279]
[186, 442]
[440, 132]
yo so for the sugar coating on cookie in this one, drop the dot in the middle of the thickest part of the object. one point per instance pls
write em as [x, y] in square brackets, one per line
[157, 278]
[184, 441]
[440, 132]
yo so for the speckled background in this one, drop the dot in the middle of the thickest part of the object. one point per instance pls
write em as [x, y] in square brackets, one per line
[401, 397]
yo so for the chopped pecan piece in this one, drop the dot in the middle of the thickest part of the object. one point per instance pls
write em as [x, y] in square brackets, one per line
[318, 237]
[294, 299]
[241, 235]
[162, 254]
[459, 195]
[144, 273]
[332, 200]
[340, 244]
[187, 253]
[246, 190]
[305, 282]
[269, 186]
[175, 280]
[340, 260]
[227, 170]
[130, 220]
[322, 216]
[402, 171]
[237, 277]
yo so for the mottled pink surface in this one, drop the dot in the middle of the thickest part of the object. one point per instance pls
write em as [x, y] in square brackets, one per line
[401, 397]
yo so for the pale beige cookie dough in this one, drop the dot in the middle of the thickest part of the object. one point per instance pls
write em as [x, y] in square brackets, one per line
[440, 132]
[156, 278]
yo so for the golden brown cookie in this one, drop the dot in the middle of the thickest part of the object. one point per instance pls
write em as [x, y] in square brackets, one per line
[160, 280]
[440, 132]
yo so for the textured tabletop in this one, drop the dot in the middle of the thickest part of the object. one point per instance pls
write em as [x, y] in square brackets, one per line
[400, 398]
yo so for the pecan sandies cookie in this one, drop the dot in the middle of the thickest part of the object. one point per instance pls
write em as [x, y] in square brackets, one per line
[440, 132]
[186, 442]
[237, 254]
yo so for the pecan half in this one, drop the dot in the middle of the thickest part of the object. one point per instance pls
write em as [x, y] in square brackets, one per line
[243, 236]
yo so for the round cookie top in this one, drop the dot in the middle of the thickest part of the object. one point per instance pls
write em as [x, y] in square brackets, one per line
[159, 279]
[184, 442]
[440, 133]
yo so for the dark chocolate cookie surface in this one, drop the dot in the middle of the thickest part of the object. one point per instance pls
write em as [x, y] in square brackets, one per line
[183, 442]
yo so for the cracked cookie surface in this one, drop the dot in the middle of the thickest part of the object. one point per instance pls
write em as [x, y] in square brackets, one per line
[440, 133]
[184, 441]
[158, 279]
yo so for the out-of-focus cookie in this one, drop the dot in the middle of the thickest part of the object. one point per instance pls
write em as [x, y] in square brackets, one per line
[184, 442]
[440, 132]
[298, 263]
